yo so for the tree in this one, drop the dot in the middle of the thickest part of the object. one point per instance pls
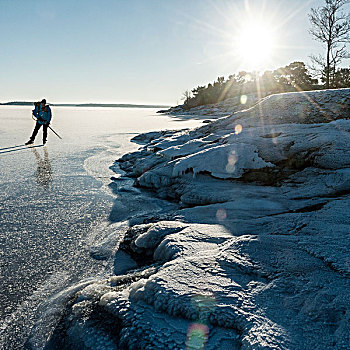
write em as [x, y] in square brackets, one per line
[268, 83]
[186, 96]
[293, 77]
[331, 27]
[199, 95]
[342, 78]
[298, 76]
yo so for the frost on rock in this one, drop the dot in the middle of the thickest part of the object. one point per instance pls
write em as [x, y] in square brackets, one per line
[249, 291]
[222, 161]
[257, 254]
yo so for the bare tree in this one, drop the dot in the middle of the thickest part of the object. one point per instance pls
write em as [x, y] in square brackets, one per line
[186, 96]
[331, 27]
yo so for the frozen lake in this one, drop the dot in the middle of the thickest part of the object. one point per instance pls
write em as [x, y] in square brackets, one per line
[56, 206]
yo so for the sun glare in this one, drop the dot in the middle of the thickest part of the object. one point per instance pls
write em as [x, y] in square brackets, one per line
[254, 44]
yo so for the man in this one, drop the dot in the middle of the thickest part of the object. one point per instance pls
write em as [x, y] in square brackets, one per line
[43, 114]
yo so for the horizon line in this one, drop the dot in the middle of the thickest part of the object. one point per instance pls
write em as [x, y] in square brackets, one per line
[77, 104]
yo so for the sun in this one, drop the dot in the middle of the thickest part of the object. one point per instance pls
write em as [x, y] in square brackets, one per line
[254, 44]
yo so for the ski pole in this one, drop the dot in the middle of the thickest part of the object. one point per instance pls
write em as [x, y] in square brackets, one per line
[55, 133]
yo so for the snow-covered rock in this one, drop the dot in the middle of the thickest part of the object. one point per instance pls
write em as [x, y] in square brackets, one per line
[257, 255]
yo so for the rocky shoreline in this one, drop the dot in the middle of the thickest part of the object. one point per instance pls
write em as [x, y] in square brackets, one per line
[256, 255]
[215, 110]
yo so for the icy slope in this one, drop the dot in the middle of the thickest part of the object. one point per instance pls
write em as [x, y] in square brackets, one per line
[258, 254]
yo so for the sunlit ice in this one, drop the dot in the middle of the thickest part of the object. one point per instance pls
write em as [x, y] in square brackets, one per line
[254, 44]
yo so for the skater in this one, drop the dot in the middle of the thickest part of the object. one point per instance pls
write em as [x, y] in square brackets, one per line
[43, 114]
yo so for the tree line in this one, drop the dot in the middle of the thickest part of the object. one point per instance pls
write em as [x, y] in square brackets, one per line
[330, 26]
[293, 77]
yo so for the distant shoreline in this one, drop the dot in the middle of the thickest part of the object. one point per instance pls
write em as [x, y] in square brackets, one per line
[110, 105]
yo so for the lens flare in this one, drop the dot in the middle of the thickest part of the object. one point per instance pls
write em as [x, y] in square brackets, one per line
[203, 304]
[244, 99]
[238, 129]
[221, 214]
[198, 332]
[197, 336]
[231, 161]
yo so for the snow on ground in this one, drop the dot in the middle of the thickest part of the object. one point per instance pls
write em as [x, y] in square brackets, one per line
[257, 254]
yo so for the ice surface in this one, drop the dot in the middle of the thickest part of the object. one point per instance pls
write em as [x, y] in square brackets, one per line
[56, 208]
[256, 256]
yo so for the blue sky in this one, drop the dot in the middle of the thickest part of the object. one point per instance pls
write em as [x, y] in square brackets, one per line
[135, 51]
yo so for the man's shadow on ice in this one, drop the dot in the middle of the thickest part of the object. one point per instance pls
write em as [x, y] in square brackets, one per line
[43, 174]
[17, 148]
